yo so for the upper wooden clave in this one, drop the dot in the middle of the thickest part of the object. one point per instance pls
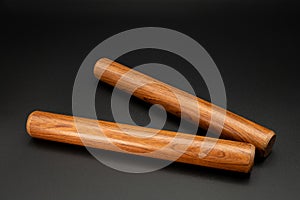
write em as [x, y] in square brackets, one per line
[161, 144]
[156, 92]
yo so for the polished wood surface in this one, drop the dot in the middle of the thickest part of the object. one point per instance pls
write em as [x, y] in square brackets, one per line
[156, 92]
[160, 144]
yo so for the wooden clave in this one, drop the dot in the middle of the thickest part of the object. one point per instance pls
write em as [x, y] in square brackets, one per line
[156, 92]
[227, 155]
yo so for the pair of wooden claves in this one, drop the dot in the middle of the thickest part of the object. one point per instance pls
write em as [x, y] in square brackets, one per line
[236, 154]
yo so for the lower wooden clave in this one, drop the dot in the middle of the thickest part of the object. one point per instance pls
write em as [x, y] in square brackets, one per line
[167, 145]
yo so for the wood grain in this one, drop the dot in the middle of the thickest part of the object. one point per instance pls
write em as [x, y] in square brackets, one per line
[156, 92]
[160, 144]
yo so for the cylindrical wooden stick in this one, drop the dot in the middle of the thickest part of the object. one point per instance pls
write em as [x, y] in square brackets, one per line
[156, 92]
[162, 144]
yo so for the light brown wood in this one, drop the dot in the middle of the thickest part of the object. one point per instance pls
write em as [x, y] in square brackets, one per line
[156, 92]
[166, 145]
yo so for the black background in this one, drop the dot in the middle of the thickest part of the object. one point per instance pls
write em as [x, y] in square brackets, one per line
[254, 44]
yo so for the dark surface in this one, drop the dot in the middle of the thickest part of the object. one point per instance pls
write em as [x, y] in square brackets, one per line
[254, 44]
